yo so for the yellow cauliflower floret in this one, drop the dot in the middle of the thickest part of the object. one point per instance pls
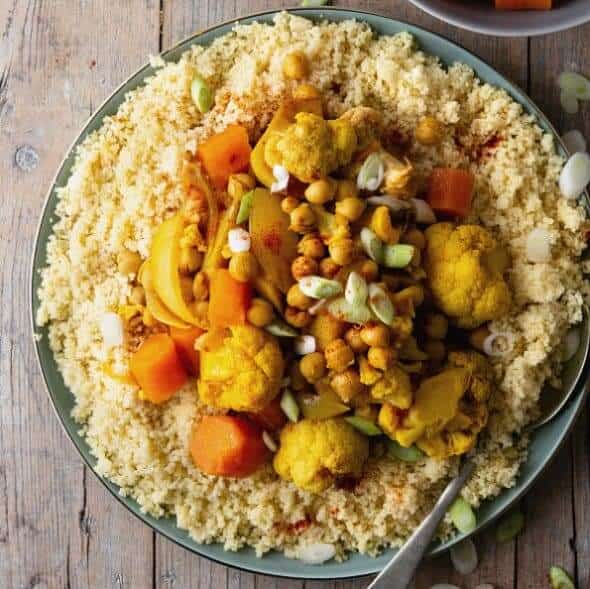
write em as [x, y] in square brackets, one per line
[243, 373]
[464, 274]
[313, 453]
[366, 122]
[394, 387]
[311, 147]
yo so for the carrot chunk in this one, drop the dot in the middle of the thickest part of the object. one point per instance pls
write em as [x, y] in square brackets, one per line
[450, 191]
[229, 299]
[184, 339]
[157, 368]
[523, 4]
[226, 445]
[224, 154]
[271, 417]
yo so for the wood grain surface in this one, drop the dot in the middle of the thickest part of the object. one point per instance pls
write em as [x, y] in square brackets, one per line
[59, 528]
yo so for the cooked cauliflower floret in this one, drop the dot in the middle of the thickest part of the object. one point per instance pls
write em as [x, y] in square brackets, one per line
[367, 123]
[243, 373]
[464, 268]
[311, 147]
[313, 453]
[394, 388]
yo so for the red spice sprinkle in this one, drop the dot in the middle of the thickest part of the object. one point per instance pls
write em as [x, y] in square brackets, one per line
[298, 527]
[272, 241]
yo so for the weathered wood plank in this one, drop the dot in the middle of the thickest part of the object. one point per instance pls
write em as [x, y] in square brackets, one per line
[581, 444]
[58, 527]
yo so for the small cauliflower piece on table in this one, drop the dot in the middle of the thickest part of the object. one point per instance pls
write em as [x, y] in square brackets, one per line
[244, 372]
[313, 453]
[464, 267]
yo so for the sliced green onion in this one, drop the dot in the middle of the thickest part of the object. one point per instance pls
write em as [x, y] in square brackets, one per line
[463, 516]
[411, 454]
[289, 406]
[398, 255]
[560, 579]
[381, 304]
[372, 245]
[201, 94]
[313, 3]
[371, 174]
[569, 102]
[245, 206]
[574, 84]
[281, 329]
[318, 287]
[510, 526]
[341, 309]
[356, 291]
[363, 425]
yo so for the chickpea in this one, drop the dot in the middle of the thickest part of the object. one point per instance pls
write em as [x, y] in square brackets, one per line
[313, 366]
[435, 349]
[295, 298]
[401, 327]
[369, 270]
[311, 246]
[342, 250]
[354, 340]
[298, 382]
[295, 66]
[428, 131]
[297, 317]
[289, 204]
[339, 355]
[375, 335]
[416, 258]
[478, 336]
[302, 219]
[412, 295]
[128, 262]
[306, 92]
[328, 268]
[137, 295]
[351, 208]
[186, 287]
[303, 266]
[436, 326]
[347, 384]
[200, 286]
[260, 312]
[321, 191]
[243, 266]
[239, 184]
[414, 237]
[190, 260]
[346, 189]
[381, 358]
[226, 252]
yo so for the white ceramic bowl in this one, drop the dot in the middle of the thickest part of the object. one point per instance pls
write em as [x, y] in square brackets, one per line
[481, 16]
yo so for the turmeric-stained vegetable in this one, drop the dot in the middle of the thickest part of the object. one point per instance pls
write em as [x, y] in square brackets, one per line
[224, 154]
[274, 246]
[324, 405]
[157, 368]
[271, 416]
[270, 292]
[280, 121]
[229, 446]
[196, 187]
[229, 299]
[450, 191]
[184, 340]
[160, 312]
[523, 4]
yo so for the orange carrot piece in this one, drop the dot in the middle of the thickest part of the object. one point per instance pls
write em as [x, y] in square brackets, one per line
[271, 417]
[523, 4]
[224, 154]
[450, 191]
[229, 299]
[184, 339]
[157, 368]
[226, 445]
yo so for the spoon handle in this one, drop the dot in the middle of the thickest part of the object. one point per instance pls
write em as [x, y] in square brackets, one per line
[401, 568]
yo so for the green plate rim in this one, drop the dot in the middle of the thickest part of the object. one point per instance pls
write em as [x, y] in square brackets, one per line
[276, 564]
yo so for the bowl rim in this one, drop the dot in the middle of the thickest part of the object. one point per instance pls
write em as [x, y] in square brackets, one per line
[578, 397]
[472, 25]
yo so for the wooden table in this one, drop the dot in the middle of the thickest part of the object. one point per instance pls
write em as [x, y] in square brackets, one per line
[59, 528]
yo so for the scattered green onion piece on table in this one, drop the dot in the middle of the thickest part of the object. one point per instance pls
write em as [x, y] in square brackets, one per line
[463, 516]
[356, 291]
[341, 309]
[372, 245]
[317, 287]
[363, 425]
[510, 526]
[560, 579]
[289, 406]
[381, 304]
[281, 329]
[398, 255]
[201, 94]
[575, 84]
[245, 206]
[313, 3]
[371, 174]
[411, 454]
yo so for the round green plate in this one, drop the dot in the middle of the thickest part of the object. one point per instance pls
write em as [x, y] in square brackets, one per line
[545, 441]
